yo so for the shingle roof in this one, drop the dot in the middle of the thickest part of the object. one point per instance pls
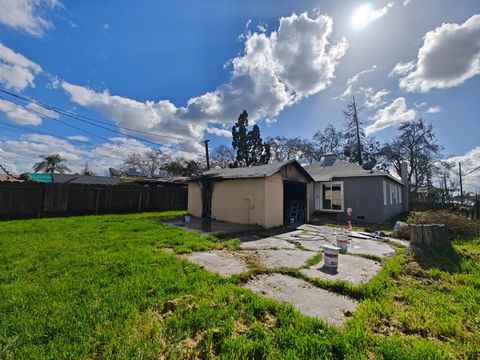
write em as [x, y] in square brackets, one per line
[254, 171]
[332, 167]
[84, 179]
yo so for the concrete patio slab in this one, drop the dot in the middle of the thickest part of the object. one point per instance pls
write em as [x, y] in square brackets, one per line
[206, 226]
[353, 269]
[355, 246]
[282, 258]
[267, 243]
[220, 262]
[306, 298]
[369, 247]
[313, 245]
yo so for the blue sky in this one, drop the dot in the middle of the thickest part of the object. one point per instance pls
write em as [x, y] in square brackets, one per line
[184, 70]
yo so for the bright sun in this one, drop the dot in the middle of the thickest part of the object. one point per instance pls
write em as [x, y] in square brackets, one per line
[362, 16]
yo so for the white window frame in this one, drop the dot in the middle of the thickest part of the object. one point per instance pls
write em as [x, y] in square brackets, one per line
[319, 188]
[385, 200]
[391, 193]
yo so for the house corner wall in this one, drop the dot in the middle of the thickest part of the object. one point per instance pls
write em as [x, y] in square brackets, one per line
[194, 199]
[273, 201]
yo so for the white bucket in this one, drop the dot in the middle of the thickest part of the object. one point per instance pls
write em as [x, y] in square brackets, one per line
[330, 254]
[342, 242]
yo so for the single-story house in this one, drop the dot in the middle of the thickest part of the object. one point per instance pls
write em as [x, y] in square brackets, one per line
[265, 195]
[282, 193]
[374, 196]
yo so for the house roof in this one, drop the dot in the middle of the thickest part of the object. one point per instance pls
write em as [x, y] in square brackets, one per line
[41, 177]
[331, 167]
[254, 171]
[84, 179]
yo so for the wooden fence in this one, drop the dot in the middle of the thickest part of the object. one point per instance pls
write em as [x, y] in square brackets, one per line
[19, 200]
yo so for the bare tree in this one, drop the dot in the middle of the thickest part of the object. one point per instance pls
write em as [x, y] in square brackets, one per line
[283, 149]
[149, 162]
[330, 140]
[222, 157]
[416, 144]
[180, 166]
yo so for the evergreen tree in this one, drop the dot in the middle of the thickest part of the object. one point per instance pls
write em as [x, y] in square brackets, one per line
[248, 145]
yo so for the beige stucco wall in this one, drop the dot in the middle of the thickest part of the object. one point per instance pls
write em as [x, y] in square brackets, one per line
[254, 201]
[194, 199]
[240, 201]
[274, 199]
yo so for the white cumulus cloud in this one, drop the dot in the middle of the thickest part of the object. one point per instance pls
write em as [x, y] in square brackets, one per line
[16, 71]
[27, 16]
[219, 132]
[274, 71]
[78, 138]
[449, 56]
[20, 155]
[18, 114]
[402, 68]
[434, 109]
[354, 80]
[470, 161]
[391, 115]
[374, 99]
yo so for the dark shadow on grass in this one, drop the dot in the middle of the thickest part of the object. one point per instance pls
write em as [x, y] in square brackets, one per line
[445, 258]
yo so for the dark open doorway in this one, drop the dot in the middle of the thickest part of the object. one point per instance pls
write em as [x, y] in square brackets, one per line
[294, 202]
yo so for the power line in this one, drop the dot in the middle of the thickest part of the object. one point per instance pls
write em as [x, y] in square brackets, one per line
[477, 168]
[88, 120]
[122, 153]
[80, 129]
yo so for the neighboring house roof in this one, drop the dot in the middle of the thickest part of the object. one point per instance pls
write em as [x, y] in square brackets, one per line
[84, 179]
[331, 167]
[133, 172]
[5, 177]
[254, 171]
[41, 177]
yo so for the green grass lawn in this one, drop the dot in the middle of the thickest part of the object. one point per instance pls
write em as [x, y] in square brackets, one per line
[101, 287]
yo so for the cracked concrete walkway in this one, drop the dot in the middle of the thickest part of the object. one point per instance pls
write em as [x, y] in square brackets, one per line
[306, 298]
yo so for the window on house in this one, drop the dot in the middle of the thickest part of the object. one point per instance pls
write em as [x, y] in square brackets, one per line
[400, 194]
[391, 193]
[332, 197]
[384, 192]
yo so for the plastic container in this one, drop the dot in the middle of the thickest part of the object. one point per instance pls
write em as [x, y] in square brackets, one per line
[330, 254]
[186, 218]
[342, 243]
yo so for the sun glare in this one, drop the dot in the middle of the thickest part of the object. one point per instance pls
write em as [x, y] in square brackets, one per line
[362, 16]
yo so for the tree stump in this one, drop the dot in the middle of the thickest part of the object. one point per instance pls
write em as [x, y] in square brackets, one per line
[429, 235]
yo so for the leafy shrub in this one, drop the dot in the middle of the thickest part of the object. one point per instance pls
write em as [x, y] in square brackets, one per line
[458, 226]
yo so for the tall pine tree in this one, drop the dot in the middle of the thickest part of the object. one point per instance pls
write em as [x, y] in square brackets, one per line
[248, 145]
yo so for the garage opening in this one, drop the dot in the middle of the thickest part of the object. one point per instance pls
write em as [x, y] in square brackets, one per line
[294, 202]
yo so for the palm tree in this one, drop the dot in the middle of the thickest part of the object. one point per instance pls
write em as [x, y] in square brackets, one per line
[51, 163]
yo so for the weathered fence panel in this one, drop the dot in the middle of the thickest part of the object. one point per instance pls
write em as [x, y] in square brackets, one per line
[37, 199]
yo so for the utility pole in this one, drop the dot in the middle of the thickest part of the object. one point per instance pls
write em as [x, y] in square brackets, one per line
[359, 144]
[461, 183]
[206, 153]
